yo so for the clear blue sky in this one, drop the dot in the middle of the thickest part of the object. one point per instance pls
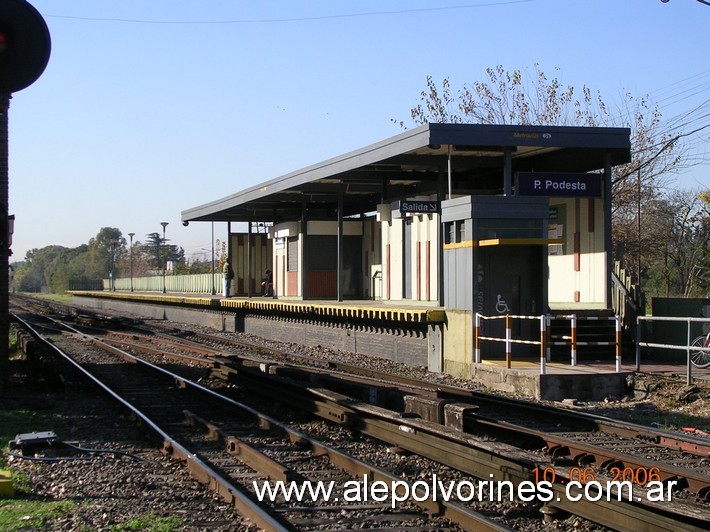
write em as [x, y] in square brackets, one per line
[148, 108]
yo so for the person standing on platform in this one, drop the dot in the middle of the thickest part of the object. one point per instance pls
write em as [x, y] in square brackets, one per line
[268, 283]
[228, 276]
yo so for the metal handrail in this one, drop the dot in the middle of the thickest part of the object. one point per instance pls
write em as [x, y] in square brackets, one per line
[686, 348]
[545, 340]
[573, 342]
[509, 340]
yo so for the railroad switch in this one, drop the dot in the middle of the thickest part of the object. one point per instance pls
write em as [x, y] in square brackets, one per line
[33, 441]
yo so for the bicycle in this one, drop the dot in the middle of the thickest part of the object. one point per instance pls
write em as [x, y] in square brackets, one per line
[700, 359]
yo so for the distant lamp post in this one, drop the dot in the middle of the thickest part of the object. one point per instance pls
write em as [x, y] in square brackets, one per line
[214, 291]
[111, 273]
[165, 261]
[130, 254]
[213, 288]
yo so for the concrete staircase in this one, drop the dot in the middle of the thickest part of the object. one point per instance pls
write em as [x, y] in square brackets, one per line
[595, 336]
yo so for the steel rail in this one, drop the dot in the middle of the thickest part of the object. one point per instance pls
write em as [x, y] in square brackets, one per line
[696, 482]
[558, 446]
[126, 344]
[616, 515]
[661, 437]
[176, 343]
[583, 454]
[664, 438]
[199, 469]
[456, 450]
[467, 518]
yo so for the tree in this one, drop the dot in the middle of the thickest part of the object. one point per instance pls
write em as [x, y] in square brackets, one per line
[679, 264]
[703, 266]
[221, 253]
[153, 247]
[35, 274]
[142, 259]
[105, 249]
[161, 252]
[508, 98]
[184, 267]
[56, 268]
[65, 267]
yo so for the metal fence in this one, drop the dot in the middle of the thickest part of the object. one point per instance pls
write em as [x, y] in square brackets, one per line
[573, 342]
[201, 283]
[509, 340]
[546, 341]
[687, 347]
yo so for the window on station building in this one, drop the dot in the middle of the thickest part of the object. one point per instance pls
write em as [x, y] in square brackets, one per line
[455, 232]
[448, 237]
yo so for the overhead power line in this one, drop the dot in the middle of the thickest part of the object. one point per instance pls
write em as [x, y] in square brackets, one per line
[704, 2]
[658, 153]
[294, 19]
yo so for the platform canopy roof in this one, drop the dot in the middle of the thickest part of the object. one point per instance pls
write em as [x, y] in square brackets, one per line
[415, 164]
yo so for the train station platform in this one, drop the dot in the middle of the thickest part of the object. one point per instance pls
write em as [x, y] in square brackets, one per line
[364, 309]
[410, 334]
[587, 381]
[406, 333]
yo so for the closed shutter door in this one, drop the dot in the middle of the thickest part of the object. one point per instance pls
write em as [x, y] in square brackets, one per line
[292, 262]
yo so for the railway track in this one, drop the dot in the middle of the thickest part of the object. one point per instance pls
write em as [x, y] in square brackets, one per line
[583, 439]
[481, 415]
[245, 449]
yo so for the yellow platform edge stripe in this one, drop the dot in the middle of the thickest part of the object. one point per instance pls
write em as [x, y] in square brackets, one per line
[405, 315]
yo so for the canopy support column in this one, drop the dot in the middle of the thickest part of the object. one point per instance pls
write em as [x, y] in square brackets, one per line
[339, 267]
[304, 249]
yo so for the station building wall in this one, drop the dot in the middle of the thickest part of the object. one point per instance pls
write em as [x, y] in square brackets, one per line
[287, 253]
[458, 344]
[577, 268]
[316, 250]
[410, 246]
[399, 258]
[261, 260]
[372, 259]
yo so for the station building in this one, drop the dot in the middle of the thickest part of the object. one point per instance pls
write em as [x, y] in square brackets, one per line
[461, 217]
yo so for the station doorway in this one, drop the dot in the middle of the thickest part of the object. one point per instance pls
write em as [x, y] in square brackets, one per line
[495, 264]
[509, 281]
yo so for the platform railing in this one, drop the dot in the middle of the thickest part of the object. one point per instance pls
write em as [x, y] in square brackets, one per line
[628, 299]
[572, 339]
[509, 340]
[686, 347]
[545, 342]
[196, 283]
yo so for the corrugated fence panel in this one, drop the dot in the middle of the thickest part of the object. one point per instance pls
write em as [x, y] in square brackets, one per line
[186, 284]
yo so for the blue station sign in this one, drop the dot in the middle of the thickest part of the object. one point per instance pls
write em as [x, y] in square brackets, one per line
[418, 207]
[570, 185]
